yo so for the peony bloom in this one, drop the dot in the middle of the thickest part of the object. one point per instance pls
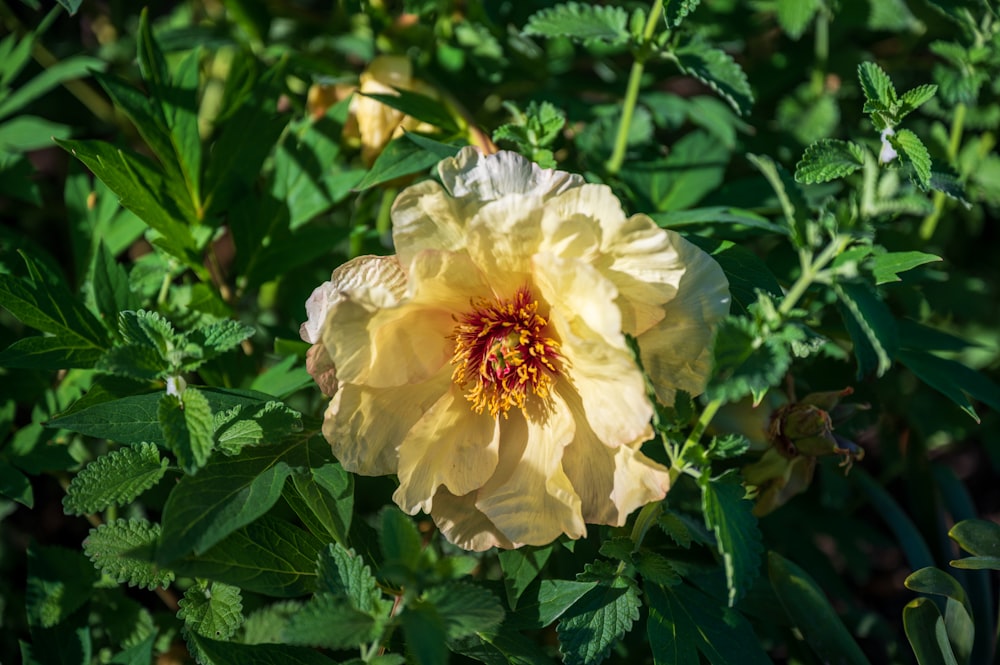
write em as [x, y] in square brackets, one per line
[486, 363]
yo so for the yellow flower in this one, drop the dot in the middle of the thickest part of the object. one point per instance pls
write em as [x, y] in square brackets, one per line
[486, 363]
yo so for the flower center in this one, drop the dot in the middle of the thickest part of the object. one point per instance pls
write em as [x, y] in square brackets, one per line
[503, 354]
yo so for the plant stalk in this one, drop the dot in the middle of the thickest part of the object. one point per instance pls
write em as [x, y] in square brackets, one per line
[929, 224]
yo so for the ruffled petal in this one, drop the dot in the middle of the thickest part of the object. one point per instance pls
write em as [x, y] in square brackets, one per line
[600, 366]
[450, 446]
[320, 366]
[425, 217]
[502, 236]
[529, 498]
[465, 525]
[471, 174]
[365, 426]
[676, 352]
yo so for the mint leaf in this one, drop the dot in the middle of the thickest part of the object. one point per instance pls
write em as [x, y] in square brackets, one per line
[886, 267]
[114, 479]
[187, 427]
[215, 339]
[110, 286]
[879, 91]
[580, 22]
[212, 609]
[325, 621]
[124, 549]
[829, 159]
[730, 515]
[60, 581]
[717, 69]
[323, 498]
[465, 608]
[520, 568]
[541, 605]
[677, 10]
[595, 622]
[915, 153]
[912, 99]
[744, 363]
[344, 574]
[794, 16]
[134, 361]
[215, 652]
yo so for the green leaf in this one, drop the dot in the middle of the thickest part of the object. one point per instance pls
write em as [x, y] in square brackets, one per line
[268, 556]
[465, 608]
[520, 568]
[743, 363]
[952, 379]
[325, 621]
[540, 605]
[717, 69]
[913, 99]
[403, 156]
[684, 621]
[323, 498]
[114, 479]
[730, 515]
[808, 609]
[721, 215]
[655, 568]
[49, 306]
[949, 185]
[918, 554]
[110, 285]
[344, 574]
[887, 267]
[879, 91]
[226, 494]
[133, 418]
[215, 339]
[695, 166]
[134, 361]
[60, 581]
[728, 446]
[916, 155]
[26, 133]
[423, 108]
[214, 652]
[794, 16]
[793, 203]
[677, 10]
[124, 550]
[212, 609]
[829, 159]
[580, 22]
[594, 623]
[15, 485]
[187, 427]
[746, 272]
[140, 653]
[425, 634]
[253, 424]
[676, 528]
[926, 632]
[399, 537]
[958, 622]
[74, 67]
[981, 538]
[871, 326]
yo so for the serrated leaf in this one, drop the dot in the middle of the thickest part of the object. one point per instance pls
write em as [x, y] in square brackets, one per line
[677, 10]
[343, 574]
[465, 608]
[226, 494]
[580, 22]
[110, 285]
[212, 609]
[684, 621]
[655, 568]
[425, 634]
[114, 479]
[886, 267]
[877, 86]
[214, 652]
[595, 622]
[269, 556]
[542, 604]
[520, 568]
[135, 361]
[124, 550]
[717, 69]
[676, 528]
[871, 327]
[950, 186]
[187, 427]
[619, 548]
[60, 581]
[829, 159]
[728, 446]
[215, 339]
[730, 515]
[794, 16]
[914, 98]
[325, 621]
[809, 610]
[251, 425]
[399, 538]
[744, 363]
[915, 153]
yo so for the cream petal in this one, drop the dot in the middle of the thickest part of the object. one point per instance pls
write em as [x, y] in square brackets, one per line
[465, 525]
[529, 498]
[425, 217]
[375, 280]
[601, 367]
[450, 446]
[502, 236]
[364, 426]
[471, 174]
[611, 482]
[676, 352]
[448, 281]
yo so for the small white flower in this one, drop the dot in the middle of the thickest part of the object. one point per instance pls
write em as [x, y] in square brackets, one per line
[888, 153]
[176, 386]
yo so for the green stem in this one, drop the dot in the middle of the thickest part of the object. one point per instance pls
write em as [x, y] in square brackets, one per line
[810, 270]
[614, 164]
[929, 224]
[821, 51]
[383, 222]
[646, 519]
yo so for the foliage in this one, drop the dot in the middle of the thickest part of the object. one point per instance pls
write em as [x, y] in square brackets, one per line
[178, 180]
